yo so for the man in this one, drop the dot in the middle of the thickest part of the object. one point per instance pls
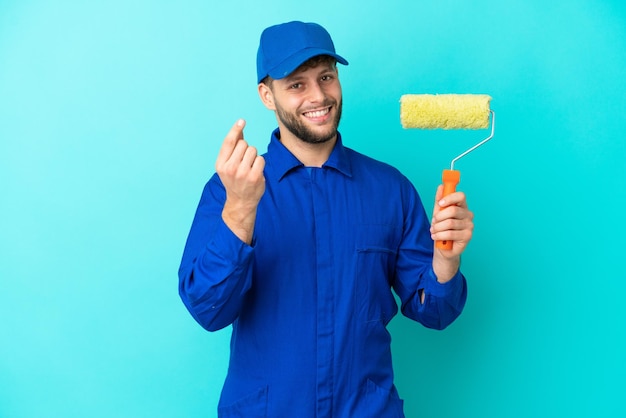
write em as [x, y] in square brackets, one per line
[299, 249]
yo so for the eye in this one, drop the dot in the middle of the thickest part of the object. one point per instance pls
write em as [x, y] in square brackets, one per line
[295, 86]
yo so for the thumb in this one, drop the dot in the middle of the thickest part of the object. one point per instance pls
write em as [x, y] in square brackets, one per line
[438, 197]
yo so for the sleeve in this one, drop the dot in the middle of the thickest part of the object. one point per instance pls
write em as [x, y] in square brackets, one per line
[216, 268]
[443, 302]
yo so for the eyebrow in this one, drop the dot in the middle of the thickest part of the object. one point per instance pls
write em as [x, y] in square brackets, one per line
[298, 76]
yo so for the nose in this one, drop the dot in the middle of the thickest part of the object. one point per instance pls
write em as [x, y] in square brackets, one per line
[316, 93]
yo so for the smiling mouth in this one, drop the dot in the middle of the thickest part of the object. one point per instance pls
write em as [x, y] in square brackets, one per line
[317, 113]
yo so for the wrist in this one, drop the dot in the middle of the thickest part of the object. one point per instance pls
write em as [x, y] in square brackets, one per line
[445, 268]
[240, 219]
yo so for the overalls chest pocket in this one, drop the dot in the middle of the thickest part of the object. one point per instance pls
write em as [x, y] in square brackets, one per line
[376, 254]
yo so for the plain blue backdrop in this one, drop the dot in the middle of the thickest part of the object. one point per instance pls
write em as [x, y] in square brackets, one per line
[111, 116]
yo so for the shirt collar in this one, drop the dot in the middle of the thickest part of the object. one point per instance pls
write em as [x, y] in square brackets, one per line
[283, 161]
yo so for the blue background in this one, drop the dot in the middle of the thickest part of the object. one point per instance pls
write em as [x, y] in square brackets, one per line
[111, 116]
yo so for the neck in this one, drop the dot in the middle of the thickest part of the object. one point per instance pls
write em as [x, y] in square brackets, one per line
[311, 155]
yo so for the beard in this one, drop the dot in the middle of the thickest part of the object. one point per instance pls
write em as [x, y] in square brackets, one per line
[301, 131]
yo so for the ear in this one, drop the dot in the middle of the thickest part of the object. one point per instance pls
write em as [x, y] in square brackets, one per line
[266, 95]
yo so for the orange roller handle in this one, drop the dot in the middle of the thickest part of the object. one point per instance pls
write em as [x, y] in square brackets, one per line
[450, 180]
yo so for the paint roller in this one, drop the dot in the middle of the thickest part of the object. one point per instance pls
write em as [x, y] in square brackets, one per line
[448, 111]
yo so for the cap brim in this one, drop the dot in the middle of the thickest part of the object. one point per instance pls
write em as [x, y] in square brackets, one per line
[290, 64]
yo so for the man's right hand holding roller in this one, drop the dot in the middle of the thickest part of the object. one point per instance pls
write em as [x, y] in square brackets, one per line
[240, 169]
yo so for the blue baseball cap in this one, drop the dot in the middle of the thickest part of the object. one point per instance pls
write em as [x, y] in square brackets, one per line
[283, 48]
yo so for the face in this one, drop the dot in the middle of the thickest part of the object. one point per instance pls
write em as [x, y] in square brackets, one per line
[308, 103]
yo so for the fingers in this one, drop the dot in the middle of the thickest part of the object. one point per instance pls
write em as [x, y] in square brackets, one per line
[259, 164]
[241, 162]
[458, 232]
[231, 141]
[451, 217]
[252, 164]
[452, 220]
[453, 199]
[452, 229]
[235, 152]
[240, 168]
[249, 154]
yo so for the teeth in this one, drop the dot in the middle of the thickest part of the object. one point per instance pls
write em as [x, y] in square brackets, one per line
[317, 114]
